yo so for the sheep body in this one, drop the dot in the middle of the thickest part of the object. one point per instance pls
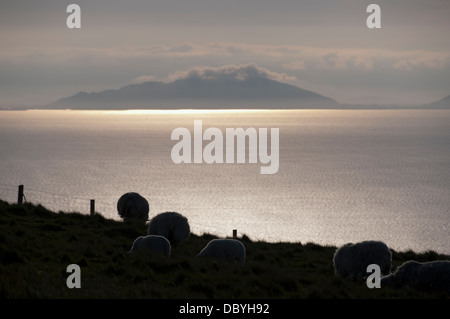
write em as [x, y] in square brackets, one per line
[153, 244]
[172, 225]
[133, 206]
[226, 249]
[351, 260]
[429, 276]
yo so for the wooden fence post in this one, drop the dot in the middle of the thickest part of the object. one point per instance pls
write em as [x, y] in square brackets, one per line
[92, 207]
[20, 195]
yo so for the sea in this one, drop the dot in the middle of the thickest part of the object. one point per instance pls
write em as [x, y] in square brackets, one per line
[343, 176]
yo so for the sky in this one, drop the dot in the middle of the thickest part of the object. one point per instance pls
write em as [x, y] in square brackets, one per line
[322, 46]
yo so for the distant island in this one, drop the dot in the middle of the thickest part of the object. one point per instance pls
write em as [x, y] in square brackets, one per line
[441, 104]
[247, 87]
[244, 87]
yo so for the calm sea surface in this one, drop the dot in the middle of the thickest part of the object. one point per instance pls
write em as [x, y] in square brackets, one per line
[344, 176]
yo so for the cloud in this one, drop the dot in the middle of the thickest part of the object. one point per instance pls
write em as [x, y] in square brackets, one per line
[333, 61]
[143, 78]
[346, 60]
[290, 57]
[181, 48]
[295, 65]
[231, 72]
[52, 72]
[422, 60]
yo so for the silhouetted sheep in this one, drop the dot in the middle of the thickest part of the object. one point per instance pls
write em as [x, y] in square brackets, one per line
[133, 206]
[430, 276]
[227, 249]
[153, 244]
[351, 260]
[172, 225]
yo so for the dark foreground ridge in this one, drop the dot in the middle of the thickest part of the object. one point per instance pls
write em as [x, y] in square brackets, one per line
[37, 245]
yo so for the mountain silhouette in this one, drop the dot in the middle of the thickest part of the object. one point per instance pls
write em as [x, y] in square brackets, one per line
[441, 104]
[227, 87]
[247, 87]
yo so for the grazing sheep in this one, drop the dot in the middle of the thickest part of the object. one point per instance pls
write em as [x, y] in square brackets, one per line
[351, 260]
[173, 226]
[153, 244]
[133, 206]
[227, 249]
[430, 276]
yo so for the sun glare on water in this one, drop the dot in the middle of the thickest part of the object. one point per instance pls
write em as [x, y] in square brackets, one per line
[187, 111]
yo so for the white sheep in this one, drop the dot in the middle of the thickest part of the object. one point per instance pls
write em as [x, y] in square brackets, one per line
[351, 260]
[172, 225]
[429, 276]
[133, 206]
[153, 244]
[227, 249]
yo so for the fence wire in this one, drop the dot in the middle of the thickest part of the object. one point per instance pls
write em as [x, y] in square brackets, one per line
[69, 203]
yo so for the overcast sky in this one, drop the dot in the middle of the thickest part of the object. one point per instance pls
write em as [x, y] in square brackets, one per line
[323, 46]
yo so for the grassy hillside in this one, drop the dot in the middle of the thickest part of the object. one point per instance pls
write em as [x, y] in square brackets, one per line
[36, 246]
